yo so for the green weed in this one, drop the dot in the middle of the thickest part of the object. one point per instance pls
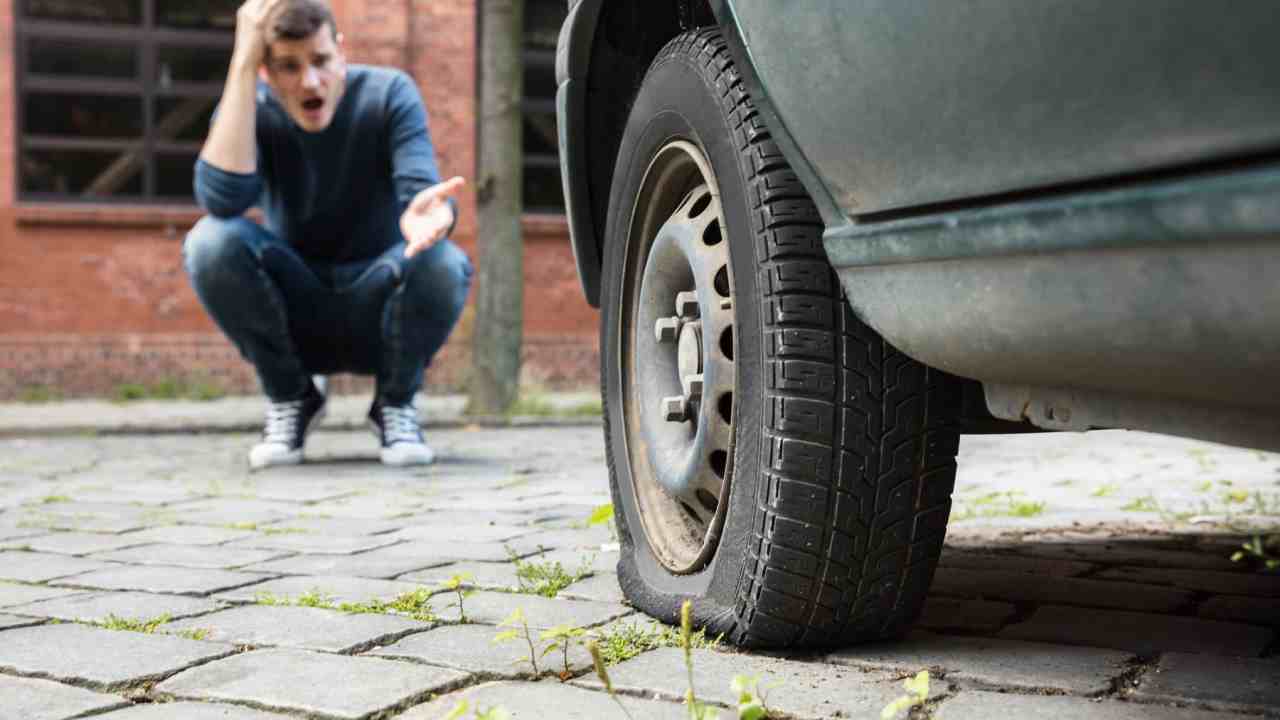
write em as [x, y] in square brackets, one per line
[517, 628]
[917, 692]
[997, 504]
[199, 389]
[39, 394]
[546, 578]
[51, 499]
[562, 638]
[460, 710]
[624, 641]
[194, 633]
[1146, 503]
[1106, 490]
[115, 622]
[455, 584]
[1265, 551]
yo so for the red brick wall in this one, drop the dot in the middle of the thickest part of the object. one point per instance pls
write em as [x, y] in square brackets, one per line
[92, 298]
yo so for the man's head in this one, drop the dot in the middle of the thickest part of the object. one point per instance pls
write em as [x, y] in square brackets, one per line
[304, 62]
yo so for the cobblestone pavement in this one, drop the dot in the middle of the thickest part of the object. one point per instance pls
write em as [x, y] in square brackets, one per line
[1085, 577]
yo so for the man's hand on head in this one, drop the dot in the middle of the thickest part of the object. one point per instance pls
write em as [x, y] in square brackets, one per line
[253, 30]
[429, 216]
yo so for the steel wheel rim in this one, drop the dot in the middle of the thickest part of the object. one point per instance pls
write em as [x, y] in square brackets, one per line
[679, 373]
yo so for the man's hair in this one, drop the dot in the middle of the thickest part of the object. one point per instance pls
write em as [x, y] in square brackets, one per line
[300, 19]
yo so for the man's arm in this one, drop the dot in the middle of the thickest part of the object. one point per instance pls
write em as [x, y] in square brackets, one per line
[226, 175]
[429, 212]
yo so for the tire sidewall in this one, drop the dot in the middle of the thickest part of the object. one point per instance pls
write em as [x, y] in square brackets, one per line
[679, 99]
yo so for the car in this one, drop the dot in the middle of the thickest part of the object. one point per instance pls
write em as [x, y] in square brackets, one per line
[827, 238]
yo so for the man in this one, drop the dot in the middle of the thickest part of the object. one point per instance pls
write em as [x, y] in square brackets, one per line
[352, 271]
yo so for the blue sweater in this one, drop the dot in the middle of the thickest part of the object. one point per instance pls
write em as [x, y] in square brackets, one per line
[337, 195]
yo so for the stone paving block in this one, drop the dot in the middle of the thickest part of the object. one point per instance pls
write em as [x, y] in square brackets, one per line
[597, 561]
[1226, 583]
[297, 681]
[1227, 683]
[165, 579]
[135, 493]
[1022, 587]
[91, 607]
[338, 587]
[970, 560]
[191, 711]
[603, 588]
[543, 700]
[977, 705]
[191, 556]
[310, 543]
[490, 608]
[994, 663]
[307, 628]
[13, 621]
[804, 689]
[232, 511]
[187, 535]
[486, 575]
[1234, 608]
[12, 529]
[390, 561]
[14, 594]
[106, 660]
[42, 567]
[341, 526]
[32, 699]
[955, 614]
[76, 543]
[450, 532]
[589, 539]
[91, 517]
[471, 648]
[371, 506]
[305, 490]
[1142, 633]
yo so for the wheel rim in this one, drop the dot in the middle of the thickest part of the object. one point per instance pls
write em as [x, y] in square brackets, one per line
[680, 378]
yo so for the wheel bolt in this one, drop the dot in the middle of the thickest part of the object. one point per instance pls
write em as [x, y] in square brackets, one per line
[694, 385]
[675, 409]
[687, 305]
[667, 329]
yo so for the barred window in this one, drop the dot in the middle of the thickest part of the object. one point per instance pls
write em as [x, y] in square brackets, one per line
[543, 192]
[115, 96]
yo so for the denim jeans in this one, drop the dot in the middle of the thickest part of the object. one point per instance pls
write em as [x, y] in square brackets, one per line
[386, 316]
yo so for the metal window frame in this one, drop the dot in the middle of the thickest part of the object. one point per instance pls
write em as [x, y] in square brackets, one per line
[544, 58]
[145, 38]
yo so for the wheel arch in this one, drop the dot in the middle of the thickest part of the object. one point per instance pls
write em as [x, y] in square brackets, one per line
[604, 50]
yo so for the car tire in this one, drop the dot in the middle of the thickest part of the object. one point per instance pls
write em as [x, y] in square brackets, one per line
[802, 498]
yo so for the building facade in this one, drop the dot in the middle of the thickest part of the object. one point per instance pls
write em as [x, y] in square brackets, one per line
[105, 107]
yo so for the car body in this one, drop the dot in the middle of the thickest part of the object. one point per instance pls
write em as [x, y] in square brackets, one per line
[1074, 203]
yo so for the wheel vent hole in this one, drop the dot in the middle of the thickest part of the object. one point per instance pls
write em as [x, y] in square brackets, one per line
[700, 206]
[719, 459]
[725, 406]
[691, 512]
[722, 281]
[726, 343]
[712, 236]
[708, 501]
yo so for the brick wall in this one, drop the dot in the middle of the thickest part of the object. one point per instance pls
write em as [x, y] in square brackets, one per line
[94, 297]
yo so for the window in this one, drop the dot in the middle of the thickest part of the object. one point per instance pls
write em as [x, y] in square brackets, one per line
[543, 192]
[115, 96]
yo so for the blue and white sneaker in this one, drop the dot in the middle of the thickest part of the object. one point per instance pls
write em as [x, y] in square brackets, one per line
[396, 427]
[286, 429]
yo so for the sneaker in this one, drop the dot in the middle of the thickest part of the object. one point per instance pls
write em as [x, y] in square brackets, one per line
[396, 427]
[286, 430]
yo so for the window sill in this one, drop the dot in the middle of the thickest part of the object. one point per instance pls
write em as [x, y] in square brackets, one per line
[544, 226]
[65, 214]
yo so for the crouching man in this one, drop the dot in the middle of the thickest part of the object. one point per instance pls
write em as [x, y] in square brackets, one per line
[353, 271]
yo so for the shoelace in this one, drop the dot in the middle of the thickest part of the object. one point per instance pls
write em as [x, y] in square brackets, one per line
[400, 424]
[282, 422]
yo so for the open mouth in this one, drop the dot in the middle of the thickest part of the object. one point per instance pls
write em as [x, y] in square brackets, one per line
[312, 104]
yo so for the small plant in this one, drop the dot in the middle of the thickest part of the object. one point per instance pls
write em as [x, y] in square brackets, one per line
[1265, 551]
[314, 599]
[455, 584]
[459, 712]
[268, 531]
[194, 633]
[1102, 491]
[697, 711]
[562, 638]
[998, 504]
[415, 604]
[546, 578]
[115, 622]
[624, 641]
[39, 394]
[750, 698]
[602, 672]
[917, 692]
[1147, 503]
[52, 499]
[517, 628]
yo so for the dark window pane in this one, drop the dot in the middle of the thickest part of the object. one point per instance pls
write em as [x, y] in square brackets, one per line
[539, 80]
[191, 65]
[77, 58]
[120, 12]
[183, 119]
[82, 116]
[173, 175]
[82, 173]
[542, 190]
[542, 19]
[197, 14]
[540, 134]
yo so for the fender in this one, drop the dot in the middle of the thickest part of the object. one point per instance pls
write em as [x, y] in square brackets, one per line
[573, 54]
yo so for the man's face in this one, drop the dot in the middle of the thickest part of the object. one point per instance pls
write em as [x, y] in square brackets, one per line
[309, 77]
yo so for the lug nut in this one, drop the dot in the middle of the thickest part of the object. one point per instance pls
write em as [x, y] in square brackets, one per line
[675, 409]
[667, 329]
[694, 383]
[687, 305]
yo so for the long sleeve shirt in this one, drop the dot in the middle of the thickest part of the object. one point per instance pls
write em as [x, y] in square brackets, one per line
[337, 195]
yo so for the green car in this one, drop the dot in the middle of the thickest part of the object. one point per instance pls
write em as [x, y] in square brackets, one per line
[829, 236]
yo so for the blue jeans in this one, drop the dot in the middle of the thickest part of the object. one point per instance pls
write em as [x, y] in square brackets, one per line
[386, 316]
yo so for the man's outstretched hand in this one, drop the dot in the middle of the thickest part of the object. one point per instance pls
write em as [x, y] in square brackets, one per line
[429, 216]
